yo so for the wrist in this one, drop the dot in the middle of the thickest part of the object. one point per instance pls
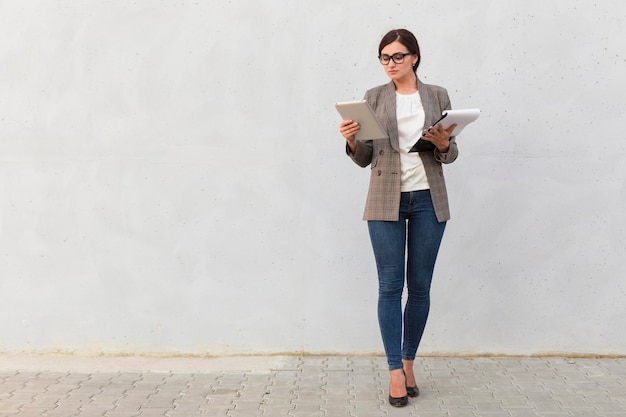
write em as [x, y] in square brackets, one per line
[351, 143]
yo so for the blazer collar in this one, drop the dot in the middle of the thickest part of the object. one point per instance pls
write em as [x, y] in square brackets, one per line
[389, 98]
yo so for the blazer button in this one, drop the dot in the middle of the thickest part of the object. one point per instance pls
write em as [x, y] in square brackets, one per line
[382, 152]
[379, 173]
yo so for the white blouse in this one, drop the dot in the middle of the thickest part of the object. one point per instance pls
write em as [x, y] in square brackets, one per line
[410, 115]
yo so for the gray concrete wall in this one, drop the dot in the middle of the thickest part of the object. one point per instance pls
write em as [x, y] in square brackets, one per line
[172, 179]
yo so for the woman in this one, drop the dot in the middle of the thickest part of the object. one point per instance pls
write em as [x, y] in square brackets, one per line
[407, 203]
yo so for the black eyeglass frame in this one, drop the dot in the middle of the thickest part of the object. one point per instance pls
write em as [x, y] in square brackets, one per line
[398, 58]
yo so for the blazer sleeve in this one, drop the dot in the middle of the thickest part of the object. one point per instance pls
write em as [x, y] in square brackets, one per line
[363, 155]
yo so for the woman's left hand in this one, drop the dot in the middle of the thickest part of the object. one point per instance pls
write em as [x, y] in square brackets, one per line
[439, 136]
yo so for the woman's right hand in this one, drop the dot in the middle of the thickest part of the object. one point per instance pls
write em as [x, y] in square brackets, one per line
[348, 129]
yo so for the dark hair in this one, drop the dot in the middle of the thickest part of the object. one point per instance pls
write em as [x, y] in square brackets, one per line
[406, 38]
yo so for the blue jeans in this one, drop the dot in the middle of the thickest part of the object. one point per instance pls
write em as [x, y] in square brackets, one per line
[419, 232]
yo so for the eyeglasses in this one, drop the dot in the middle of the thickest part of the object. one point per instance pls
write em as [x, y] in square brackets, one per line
[398, 58]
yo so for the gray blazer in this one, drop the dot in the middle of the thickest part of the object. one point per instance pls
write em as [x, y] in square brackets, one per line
[383, 197]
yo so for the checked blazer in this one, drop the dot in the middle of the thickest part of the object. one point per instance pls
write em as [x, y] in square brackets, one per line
[383, 197]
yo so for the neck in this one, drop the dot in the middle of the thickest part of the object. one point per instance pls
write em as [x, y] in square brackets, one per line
[406, 85]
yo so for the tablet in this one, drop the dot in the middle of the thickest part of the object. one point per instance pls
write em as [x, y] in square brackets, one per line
[362, 113]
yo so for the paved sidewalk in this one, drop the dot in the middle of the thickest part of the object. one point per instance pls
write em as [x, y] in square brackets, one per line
[308, 386]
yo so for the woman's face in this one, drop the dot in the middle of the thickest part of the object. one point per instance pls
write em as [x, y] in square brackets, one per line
[401, 71]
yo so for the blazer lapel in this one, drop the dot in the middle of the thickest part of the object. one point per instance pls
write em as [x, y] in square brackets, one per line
[430, 109]
[389, 98]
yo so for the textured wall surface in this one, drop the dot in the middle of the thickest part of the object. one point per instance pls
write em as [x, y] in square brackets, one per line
[172, 179]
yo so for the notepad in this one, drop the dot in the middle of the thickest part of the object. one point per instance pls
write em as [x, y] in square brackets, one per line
[461, 118]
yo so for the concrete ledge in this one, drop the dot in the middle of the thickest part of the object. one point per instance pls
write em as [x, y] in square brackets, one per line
[59, 362]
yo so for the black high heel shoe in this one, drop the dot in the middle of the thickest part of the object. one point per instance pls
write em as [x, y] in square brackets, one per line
[398, 401]
[411, 391]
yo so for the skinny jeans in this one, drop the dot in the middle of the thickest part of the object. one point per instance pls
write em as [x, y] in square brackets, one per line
[415, 239]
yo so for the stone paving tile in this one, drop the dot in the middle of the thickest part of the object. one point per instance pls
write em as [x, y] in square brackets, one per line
[334, 386]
